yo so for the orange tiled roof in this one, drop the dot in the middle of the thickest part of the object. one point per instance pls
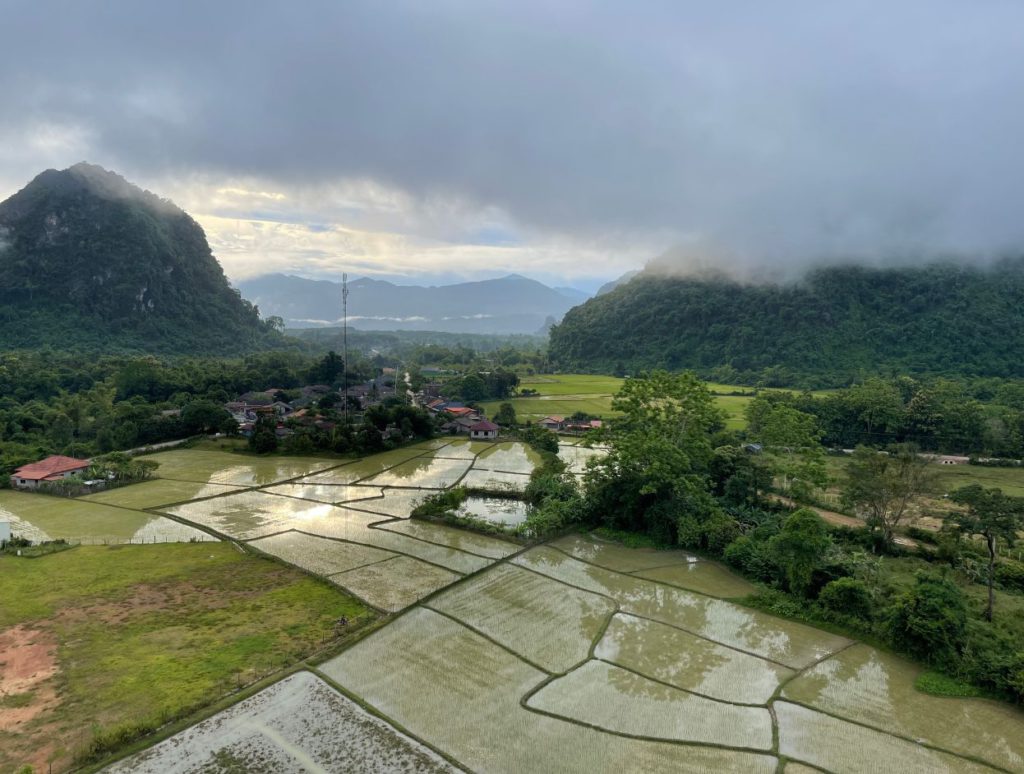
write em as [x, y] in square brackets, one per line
[50, 467]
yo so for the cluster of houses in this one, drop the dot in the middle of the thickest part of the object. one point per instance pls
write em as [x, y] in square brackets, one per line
[558, 424]
[460, 418]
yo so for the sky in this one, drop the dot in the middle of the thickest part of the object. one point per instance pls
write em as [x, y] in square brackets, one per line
[567, 141]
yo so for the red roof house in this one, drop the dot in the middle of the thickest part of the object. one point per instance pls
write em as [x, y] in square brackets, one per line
[483, 430]
[51, 469]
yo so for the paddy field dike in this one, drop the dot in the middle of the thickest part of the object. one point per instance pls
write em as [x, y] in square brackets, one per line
[487, 655]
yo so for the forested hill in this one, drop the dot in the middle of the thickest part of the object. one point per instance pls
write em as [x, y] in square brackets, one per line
[89, 261]
[835, 322]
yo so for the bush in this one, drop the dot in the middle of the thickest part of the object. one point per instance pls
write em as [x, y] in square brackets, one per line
[1010, 575]
[929, 621]
[847, 596]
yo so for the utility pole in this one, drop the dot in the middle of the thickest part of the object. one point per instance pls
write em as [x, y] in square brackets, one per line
[344, 342]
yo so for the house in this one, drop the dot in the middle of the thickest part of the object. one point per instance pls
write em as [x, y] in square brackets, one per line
[579, 428]
[460, 412]
[52, 468]
[552, 423]
[483, 431]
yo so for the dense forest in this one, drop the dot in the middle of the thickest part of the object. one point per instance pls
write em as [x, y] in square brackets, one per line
[89, 261]
[828, 329]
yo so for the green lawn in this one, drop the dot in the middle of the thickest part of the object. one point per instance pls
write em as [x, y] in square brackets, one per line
[136, 635]
[950, 477]
[565, 394]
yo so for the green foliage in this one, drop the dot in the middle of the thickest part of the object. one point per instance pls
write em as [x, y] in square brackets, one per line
[443, 503]
[264, 436]
[833, 324]
[800, 548]
[939, 684]
[881, 486]
[995, 517]
[929, 620]
[538, 438]
[1009, 575]
[847, 596]
[506, 415]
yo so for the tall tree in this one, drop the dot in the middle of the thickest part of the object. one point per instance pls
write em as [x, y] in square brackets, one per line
[993, 515]
[801, 547]
[881, 486]
[792, 449]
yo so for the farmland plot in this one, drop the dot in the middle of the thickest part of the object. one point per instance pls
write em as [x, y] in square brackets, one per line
[423, 473]
[875, 688]
[326, 493]
[398, 503]
[424, 661]
[350, 472]
[462, 449]
[218, 467]
[509, 458]
[576, 457]
[545, 622]
[703, 576]
[160, 491]
[497, 510]
[394, 584]
[689, 662]
[319, 555]
[613, 698]
[617, 557]
[495, 480]
[459, 561]
[42, 517]
[281, 729]
[791, 644]
[836, 745]
[459, 539]
[252, 514]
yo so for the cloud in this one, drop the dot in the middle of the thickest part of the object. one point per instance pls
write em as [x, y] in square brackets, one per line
[577, 136]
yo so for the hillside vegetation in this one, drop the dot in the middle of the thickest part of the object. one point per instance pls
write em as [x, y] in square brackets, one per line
[89, 261]
[834, 324]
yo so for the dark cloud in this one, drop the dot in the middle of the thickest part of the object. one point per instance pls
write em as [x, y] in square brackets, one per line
[777, 132]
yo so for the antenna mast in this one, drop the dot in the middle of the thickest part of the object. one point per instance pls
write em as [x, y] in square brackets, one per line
[344, 340]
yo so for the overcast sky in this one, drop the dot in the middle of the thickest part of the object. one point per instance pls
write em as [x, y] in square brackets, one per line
[562, 140]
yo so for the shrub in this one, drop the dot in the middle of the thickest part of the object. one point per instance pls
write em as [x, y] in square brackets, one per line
[847, 596]
[929, 621]
[1010, 575]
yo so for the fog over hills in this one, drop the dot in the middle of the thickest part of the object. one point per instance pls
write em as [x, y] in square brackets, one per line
[511, 304]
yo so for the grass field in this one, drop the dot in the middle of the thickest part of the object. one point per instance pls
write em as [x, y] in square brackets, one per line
[101, 639]
[565, 394]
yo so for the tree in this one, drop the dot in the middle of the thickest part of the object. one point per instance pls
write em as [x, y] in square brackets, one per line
[203, 416]
[264, 435]
[992, 515]
[929, 621]
[801, 547]
[792, 449]
[880, 486]
[506, 415]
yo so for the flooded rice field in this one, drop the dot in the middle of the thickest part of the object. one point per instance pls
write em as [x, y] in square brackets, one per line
[577, 655]
[498, 510]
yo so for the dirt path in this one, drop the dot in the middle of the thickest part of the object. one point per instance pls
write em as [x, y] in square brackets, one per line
[842, 520]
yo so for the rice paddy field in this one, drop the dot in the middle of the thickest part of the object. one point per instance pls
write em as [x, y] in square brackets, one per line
[576, 655]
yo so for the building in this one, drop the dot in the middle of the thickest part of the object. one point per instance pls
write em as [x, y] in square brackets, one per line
[552, 423]
[52, 468]
[483, 431]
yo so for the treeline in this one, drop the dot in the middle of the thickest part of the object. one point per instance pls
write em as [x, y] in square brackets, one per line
[938, 415]
[60, 403]
[828, 329]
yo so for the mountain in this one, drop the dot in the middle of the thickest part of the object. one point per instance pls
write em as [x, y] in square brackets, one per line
[88, 260]
[575, 295]
[835, 322]
[512, 304]
[608, 287]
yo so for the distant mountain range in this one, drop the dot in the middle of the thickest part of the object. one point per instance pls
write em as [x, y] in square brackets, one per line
[512, 304]
[89, 261]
